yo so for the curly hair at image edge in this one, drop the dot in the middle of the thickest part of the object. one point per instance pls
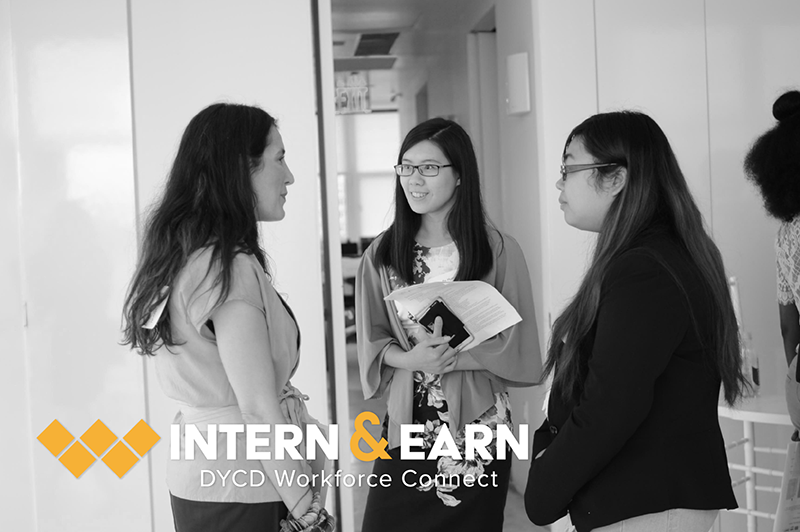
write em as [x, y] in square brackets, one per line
[773, 162]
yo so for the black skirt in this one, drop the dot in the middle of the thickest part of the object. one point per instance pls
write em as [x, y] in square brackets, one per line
[201, 516]
[404, 508]
[412, 503]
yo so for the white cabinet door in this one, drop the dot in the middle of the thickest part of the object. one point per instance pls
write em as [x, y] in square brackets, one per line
[78, 239]
[651, 58]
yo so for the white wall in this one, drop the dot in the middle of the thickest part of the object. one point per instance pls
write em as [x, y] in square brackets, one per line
[563, 97]
[18, 506]
[76, 243]
[483, 90]
[663, 75]
[70, 207]
[521, 194]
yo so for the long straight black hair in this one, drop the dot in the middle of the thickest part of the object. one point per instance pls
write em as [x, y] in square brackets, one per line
[466, 221]
[656, 190]
[208, 201]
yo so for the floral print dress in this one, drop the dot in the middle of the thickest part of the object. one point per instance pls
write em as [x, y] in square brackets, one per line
[440, 503]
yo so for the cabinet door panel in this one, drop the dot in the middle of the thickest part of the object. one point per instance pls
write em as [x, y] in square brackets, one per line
[651, 58]
[78, 246]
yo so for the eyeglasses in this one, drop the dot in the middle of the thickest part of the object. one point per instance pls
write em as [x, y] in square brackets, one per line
[426, 170]
[570, 168]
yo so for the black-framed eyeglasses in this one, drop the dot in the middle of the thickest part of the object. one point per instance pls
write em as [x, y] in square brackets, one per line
[570, 168]
[426, 170]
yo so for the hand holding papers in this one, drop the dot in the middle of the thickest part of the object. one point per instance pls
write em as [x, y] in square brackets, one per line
[482, 309]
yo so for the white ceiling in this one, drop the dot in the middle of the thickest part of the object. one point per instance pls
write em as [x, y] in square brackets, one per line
[363, 16]
[351, 18]
[419, 23]
[354, 17]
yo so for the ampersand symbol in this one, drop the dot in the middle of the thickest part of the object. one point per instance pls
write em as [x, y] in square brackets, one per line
[378, 447]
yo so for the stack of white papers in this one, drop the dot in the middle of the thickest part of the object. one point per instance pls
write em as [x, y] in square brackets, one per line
[484, 311]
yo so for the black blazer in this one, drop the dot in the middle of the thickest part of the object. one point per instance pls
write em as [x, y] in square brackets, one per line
[644, 436]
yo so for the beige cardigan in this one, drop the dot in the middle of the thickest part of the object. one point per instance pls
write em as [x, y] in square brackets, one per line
[511, 358]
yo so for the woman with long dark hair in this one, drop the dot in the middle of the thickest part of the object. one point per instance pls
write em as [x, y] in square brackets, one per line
[440, 233]
[632, 439]
[773, 164]
[227, 343]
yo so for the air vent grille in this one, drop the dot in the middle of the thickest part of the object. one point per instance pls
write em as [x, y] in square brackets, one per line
[376, 44]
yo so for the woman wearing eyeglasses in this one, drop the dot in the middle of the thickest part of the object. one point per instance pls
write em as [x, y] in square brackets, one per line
[440, 233]
[632, 440]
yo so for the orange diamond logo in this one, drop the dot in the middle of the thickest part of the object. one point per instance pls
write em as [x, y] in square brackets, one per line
[55, 437]
[142, 438]
[98, 438]
[120, 459]
[77, 459]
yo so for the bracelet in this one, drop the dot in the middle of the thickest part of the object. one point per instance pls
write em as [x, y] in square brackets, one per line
[324, 523]
[316, 519]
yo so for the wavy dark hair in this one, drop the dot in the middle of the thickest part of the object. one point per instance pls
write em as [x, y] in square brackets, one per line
[208, 201]
[466, 221]
[656, 192]
[773, 162]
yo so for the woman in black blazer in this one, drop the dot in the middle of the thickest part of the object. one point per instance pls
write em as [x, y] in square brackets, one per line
[632, 439]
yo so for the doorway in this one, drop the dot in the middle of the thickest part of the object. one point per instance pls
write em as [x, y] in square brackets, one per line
[396, 64]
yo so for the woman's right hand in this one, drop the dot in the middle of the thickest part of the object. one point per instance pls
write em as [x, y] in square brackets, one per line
[314, 519]
[432, 355]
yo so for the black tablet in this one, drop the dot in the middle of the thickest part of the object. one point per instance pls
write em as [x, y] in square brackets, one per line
[451, 324]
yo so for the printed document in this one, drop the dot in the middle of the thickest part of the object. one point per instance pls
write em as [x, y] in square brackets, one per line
[484, 311]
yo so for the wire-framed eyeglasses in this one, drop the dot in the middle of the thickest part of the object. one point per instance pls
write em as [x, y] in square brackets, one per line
[570, 168]
[426, 170]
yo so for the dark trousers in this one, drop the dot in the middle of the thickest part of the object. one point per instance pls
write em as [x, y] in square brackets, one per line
[199, 516]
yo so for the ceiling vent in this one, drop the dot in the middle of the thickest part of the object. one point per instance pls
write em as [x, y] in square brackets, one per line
[375, 44]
